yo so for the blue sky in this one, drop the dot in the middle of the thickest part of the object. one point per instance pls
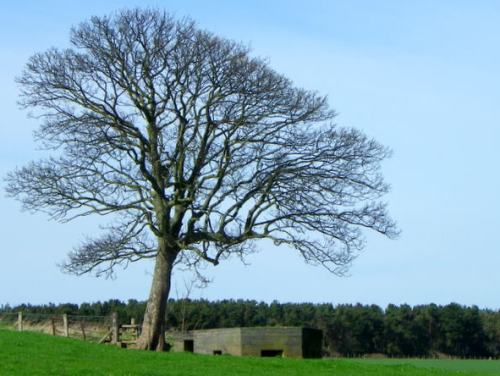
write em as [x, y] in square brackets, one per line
[420, 77]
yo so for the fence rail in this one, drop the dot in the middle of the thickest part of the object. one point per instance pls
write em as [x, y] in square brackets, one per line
[99, 329]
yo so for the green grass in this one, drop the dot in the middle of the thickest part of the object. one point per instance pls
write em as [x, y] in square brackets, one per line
[463, 367]
[38, 354]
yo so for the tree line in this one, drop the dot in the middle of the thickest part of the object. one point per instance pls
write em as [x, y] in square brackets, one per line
[348, 330]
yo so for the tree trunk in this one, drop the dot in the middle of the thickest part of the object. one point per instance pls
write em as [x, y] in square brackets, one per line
[153, 327]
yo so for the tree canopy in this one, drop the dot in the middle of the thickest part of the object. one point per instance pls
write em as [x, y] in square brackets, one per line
[195, 148]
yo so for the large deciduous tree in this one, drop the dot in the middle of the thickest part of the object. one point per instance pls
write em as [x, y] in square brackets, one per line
[195, 148]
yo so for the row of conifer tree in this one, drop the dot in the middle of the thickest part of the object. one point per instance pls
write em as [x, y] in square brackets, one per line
[348, 330]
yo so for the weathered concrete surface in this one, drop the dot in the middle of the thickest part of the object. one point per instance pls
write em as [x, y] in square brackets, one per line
[176, 340]
[287, 340]
[225, 341]
[293, 342]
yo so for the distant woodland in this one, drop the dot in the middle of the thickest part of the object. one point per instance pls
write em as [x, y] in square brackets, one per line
[349, 330]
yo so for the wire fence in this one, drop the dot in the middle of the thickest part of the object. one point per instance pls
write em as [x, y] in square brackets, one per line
[8, 320]
[88, 328]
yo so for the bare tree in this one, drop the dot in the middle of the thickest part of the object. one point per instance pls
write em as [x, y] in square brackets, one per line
[195, 149]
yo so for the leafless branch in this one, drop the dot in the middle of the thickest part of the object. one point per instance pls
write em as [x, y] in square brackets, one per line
[205, 147]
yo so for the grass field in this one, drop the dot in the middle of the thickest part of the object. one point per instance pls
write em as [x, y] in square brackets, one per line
[38, 354]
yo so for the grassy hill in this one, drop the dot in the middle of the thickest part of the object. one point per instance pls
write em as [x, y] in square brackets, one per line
[38, 354]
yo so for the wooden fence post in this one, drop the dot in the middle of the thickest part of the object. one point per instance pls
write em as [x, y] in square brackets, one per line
[114, 328]
[82, 325]
[20, 321]
[135, 332]
[65, 324]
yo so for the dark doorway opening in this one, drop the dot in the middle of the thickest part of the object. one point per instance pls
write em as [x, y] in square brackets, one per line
[271, 353]
[217, 352]
[188, 345]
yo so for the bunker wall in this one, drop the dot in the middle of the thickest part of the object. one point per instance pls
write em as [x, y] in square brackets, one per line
[218, 341]
[258, 341]
[312, 343]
